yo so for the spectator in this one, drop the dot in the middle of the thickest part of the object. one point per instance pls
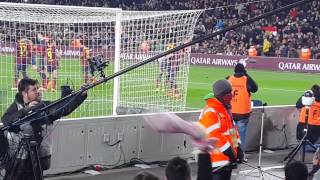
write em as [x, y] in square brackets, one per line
[266, 46]
[178, 168]
[145, 175]
[296, 171]
[300, 21]
[293, 53]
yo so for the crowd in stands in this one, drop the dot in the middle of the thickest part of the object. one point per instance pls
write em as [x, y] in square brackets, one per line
[282, 35]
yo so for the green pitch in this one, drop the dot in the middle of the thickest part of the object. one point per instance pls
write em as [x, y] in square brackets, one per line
[275, 88]
[95, 104]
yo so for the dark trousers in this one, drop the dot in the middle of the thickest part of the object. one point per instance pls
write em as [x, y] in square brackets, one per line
[313, 132]
[223, 174]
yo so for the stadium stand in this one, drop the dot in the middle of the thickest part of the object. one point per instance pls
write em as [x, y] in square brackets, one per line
[283, 35]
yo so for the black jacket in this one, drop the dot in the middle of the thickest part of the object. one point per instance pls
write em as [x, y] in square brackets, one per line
[252, 87]
[41, 128]
[63, 108]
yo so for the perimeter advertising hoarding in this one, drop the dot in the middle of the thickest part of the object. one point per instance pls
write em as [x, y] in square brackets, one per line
[262, 63]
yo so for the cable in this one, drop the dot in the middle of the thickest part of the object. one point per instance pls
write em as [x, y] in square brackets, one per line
[114, 143]
[68, 172]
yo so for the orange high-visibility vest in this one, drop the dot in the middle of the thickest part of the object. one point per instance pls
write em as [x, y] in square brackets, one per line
[241, 100]
[252, 52]
[305, 54]
[313, 114]
[218, 123]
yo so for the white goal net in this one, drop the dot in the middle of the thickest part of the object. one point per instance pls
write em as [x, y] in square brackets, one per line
[53, 44]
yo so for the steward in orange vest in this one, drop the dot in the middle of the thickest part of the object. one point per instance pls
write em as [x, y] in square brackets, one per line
[313, 117]
[305, 53]
[217, 119]
[242, 87]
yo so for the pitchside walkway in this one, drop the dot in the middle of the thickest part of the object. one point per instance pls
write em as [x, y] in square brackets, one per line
[271, 163]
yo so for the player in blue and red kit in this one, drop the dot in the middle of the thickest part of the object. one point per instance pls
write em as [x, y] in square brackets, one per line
[52, 64]
[22, 59]
[84, 58]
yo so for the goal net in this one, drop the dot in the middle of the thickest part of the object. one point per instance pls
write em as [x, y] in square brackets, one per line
[53, 44]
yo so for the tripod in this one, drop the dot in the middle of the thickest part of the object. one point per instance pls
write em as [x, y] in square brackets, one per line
[303, 142]
[30, 144]
[259, 168]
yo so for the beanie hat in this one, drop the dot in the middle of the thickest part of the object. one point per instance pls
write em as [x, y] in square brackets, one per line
[239, 68]
[221, 88]
[208, 96]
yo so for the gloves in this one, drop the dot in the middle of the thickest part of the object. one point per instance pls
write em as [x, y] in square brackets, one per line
[14, 129]
[230, 154]
[65, 90]
[240, 155]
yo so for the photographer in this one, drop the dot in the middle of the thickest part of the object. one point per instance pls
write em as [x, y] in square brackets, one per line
[313, 116]
[28, 99]
[242, 87]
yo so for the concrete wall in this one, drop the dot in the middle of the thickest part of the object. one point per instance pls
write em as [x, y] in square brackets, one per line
[81, 142]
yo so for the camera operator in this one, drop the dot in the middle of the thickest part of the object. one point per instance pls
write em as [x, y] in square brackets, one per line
[28, 99]
[313, 115]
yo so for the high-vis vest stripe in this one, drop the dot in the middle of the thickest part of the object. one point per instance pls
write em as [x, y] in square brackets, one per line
[218, 123]
[241, 101]
[313, 114]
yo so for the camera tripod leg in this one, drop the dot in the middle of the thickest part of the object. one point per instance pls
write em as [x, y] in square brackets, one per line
[31, 146]
[291, 155]
[9, 172]
[35, 160]
[303, 143]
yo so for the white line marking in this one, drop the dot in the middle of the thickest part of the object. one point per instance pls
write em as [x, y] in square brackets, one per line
[272, 89]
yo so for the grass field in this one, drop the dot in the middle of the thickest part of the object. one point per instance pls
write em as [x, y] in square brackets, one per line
[275, 88]
[70, 69]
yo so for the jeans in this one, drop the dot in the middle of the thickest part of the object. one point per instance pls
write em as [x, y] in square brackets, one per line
[242, 128]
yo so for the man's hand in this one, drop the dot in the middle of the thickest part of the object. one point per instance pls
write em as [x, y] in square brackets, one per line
[84, 93]
[32, 104]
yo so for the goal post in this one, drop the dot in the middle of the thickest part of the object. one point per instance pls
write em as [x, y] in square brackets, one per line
[52, 44]
[161, 85]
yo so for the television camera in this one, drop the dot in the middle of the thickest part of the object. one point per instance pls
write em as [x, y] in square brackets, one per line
[308, 98]
[98, 64]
